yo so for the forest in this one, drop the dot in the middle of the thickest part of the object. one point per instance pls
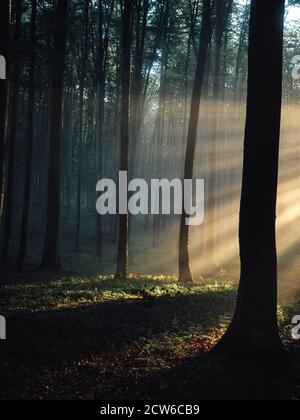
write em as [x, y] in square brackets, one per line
[149, 164]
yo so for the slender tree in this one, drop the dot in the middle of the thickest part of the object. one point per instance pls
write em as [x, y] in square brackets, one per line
[253, 332]
[194, 11]
[4, 39]
[9, 190]
[50, 257]
[30, 138]
[222, 9]
[185, 275]
[101, 70]
[161, 114]
[100, 116]
[82, 79]
[127, 8]
[141, 21]
[241, 48]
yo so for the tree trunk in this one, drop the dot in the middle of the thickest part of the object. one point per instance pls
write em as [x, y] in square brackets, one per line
[239, 58]
[30, 138]
[82, 78]
[9, 190]
[160, 133]
[194, 16]
[253, 333]
[185, 275]
[142, 11]
[100, 117]
[50, 255]
[4, 39]
[122, 258]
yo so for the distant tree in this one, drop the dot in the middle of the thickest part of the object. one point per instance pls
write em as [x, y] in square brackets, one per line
[81, 72]
[240, 52]
[100, 71]
[30, 138]
[223, 10]
[4, 39]
[101, 65]
[185, 275]
[50, 257]
[10, 176]
[253, 331]
[127, 9]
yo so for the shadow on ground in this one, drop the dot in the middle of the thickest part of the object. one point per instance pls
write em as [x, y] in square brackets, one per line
[139, 346]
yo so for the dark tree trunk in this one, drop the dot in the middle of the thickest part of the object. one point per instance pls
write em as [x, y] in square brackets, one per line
[185, 275]
[9, 190]
[194, 15]
[127, 6]
[82, 79]
[160, 131]
[100, 117]
[30, 139]
[254, 333]
[4, 39]
[219, 4]
[50, 255]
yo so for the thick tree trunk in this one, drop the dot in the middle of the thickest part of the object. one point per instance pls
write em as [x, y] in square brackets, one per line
[9, 190]
[122, 258]
[254, 332]
[30, 138]
[185, 275]
[4, 39]
[50, 255]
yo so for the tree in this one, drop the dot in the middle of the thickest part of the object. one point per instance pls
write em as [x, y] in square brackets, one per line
[82, 78]
[241, 47]
[101, 70]
[9, 190]
[100, 115]
[185, 275]
[127, 7]
[30, 138]
[223, 10]
[253, 332]
[50, 257]
[141, 15]
[161, 113]
[4, 39]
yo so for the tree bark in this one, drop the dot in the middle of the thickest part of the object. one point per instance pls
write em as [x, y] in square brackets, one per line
[30, 139]
[127, 7]
[50, 259]
[253, 333]
[4, 40]
[9, 190]
[82, 79]
[185, 275]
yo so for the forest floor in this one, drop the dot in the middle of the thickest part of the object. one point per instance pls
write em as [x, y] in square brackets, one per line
[71, 336]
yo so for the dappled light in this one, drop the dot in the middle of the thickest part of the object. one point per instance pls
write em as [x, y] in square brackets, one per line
[149, 200]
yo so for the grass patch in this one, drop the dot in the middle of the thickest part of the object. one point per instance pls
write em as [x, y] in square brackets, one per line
[91, 337]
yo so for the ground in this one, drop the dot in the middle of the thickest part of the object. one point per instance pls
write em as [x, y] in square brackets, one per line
[73, 336]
